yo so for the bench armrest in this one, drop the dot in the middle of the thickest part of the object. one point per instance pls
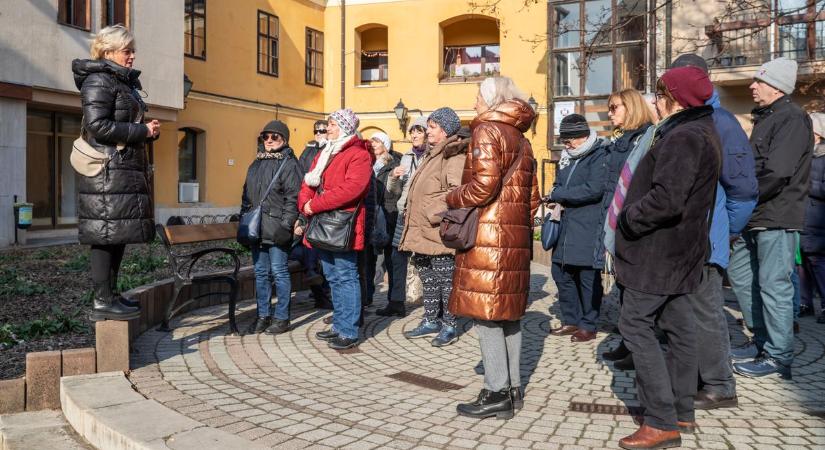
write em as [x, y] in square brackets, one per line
[196, 256]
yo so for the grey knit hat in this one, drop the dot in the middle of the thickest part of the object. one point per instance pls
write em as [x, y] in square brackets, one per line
[818, 121]
[573, 126]
[779, 73]
[447, 119]
[420, 121]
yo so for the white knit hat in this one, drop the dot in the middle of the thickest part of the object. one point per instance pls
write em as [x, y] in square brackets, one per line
[382, 137]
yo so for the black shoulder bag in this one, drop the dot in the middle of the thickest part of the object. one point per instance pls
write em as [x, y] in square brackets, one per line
[334, 230]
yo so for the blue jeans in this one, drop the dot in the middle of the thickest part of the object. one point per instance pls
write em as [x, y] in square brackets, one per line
[341, 271]
[760, 274]
[797, 294]
[271, 262]
[812, 276]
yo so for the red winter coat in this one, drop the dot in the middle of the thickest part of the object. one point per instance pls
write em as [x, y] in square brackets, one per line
[345, 183]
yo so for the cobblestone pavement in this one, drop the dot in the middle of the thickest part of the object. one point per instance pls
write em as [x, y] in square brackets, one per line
[292, 391]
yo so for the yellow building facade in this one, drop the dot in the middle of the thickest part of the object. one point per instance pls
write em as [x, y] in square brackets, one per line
[393, 50]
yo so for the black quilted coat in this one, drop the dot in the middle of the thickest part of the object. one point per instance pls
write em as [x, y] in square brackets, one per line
[114, 207]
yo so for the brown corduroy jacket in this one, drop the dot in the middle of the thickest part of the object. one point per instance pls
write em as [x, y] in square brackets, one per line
[439, 173]
[492, 279]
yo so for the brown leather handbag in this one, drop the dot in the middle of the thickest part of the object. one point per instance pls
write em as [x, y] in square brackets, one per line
[459, 226]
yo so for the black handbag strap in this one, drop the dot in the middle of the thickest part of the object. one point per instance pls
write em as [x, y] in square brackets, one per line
[570, 175]
[272, 183]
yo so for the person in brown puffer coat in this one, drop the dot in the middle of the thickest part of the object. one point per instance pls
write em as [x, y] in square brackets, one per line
[492, 279]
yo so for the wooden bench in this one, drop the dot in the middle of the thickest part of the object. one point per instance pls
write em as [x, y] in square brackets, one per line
[183, 265]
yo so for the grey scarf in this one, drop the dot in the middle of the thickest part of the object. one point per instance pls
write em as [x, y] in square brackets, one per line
[575, 153]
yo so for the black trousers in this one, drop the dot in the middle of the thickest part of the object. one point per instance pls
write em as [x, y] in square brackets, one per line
[665, 380]
[104, 262]
[712, 335]
[398, 275]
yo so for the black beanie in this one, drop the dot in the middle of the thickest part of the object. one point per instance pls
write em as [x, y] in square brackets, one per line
[276, 126]
[574, 126]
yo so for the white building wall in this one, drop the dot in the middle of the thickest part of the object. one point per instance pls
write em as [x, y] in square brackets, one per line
[37, 51]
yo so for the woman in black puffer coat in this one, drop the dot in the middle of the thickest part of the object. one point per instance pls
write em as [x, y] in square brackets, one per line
[279, 213]
[115, 206]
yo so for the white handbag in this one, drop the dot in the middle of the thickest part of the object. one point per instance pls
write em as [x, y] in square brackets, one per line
[87, 160]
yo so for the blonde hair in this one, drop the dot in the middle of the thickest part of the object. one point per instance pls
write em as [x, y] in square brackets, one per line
[497, 90]
[111, 39]
[637, 113]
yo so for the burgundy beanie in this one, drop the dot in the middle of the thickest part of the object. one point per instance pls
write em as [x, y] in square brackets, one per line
[689, 85]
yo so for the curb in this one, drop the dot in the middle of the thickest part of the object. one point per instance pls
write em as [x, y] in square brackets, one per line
[110, 414]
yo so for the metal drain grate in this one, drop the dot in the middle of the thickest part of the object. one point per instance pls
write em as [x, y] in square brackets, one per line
[425, 381]
[595, 408]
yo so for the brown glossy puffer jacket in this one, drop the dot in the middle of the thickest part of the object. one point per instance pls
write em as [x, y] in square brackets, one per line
[492, 279]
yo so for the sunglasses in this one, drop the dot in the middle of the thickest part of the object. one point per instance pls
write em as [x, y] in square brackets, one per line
[320, 131]
[271, 136]
[613, 108]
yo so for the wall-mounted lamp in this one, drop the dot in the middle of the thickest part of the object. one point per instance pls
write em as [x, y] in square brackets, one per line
[187, 86]
[401, 114]
[535, 105]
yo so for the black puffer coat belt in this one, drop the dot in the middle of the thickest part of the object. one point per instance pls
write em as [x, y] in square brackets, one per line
[114, 207]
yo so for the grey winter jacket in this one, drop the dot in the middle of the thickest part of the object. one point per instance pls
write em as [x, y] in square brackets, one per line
[115, 206]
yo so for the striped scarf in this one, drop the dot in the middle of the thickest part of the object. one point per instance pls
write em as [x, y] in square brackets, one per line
[626, 175]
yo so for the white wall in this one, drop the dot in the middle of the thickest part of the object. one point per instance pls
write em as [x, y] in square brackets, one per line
[12, 162]
[37, 51]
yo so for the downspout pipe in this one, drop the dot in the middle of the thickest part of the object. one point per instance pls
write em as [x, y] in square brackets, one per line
[343, 53]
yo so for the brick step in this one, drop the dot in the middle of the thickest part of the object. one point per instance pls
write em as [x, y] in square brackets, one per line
[106, 410]
[39, 430]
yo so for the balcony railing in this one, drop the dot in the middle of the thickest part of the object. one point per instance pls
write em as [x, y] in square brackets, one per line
[753, 40]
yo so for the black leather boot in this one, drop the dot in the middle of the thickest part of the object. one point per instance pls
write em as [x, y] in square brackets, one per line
[517, 396]
[489, 404]
[118, 297]
[620, 352]
[392, 309]
[625, 363]
[106, 306]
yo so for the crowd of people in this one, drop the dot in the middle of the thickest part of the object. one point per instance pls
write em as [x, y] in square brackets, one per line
[673, 200]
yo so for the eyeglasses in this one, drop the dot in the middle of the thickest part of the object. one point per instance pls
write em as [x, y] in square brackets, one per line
[320, 131]
[271, 136]
[566, 141]
[614, 107]
[659, 95]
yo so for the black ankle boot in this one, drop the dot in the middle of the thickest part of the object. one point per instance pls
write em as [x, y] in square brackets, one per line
[625, 363]
[392, 309]
[107, 307]
[621, 352]
[517, 397]
[489, 404]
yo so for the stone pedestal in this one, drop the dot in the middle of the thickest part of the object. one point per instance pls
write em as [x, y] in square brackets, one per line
[43, 380]
[112, 345]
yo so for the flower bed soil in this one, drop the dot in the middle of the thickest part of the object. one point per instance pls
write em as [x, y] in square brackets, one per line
[45, 294]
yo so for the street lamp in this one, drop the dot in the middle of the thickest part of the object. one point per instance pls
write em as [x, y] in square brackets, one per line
[401, 114]
[535, 105]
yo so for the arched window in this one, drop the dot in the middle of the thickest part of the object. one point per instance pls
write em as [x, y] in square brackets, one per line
[372, 43]
[471, 48]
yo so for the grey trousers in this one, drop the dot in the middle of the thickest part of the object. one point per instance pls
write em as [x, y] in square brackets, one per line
[501, 353]
[712, 335]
